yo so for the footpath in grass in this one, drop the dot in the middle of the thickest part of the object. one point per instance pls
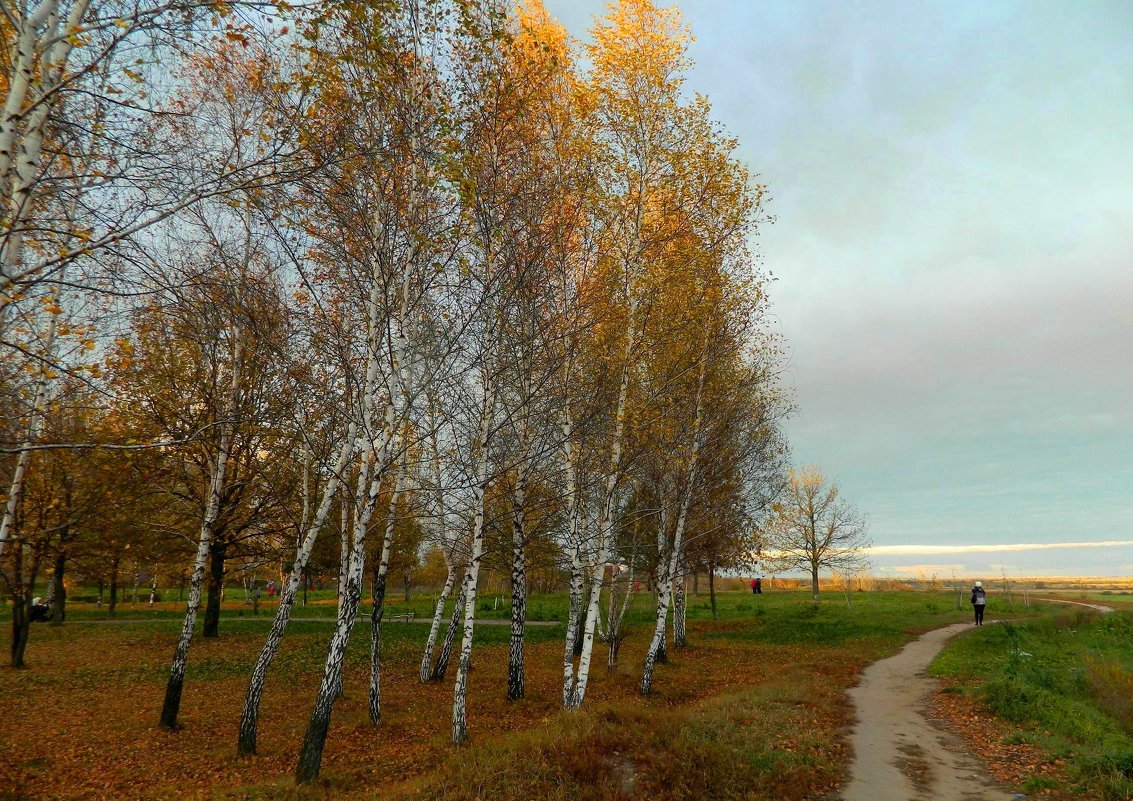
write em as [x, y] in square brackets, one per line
[1049, 702]
[753, 708]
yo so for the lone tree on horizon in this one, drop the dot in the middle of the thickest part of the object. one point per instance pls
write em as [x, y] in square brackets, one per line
[813, 528]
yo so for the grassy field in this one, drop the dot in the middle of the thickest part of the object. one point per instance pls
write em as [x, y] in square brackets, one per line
[754, 708]
[1062, 684]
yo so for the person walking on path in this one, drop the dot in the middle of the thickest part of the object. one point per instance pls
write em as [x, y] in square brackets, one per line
[979, 601]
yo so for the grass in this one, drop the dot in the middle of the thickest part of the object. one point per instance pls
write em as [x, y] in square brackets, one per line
[1066, 682]
[754, 708]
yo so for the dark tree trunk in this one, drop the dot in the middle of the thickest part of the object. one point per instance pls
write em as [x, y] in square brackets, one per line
[515, 671]
[218, 550]
[113, 607]
[379, 593]
[59, 610]
[21, 627]
[450, 637]
[814, 581]
[712, 588]
[406, 576]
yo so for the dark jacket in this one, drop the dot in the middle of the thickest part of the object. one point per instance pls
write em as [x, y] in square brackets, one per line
[978, 596]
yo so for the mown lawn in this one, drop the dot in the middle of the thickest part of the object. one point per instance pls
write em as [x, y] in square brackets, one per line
[1064, 683]
[754, 708]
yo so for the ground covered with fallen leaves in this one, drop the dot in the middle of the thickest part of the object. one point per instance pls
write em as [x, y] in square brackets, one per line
[753, 708]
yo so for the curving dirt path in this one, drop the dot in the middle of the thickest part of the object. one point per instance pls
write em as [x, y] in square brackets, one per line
[898, 754]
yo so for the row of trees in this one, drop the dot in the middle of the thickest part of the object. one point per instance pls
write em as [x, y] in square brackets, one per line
[400, 276]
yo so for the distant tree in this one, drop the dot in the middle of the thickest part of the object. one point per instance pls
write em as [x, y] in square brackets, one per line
[813, 528]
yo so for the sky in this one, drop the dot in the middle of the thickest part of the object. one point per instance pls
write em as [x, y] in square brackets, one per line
[952, 251]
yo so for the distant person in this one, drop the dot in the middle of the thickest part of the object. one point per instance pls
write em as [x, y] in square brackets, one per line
[979, 601]
[755, 586]
[758, 586]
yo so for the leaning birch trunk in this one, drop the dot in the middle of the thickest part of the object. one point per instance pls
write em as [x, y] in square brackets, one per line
[678, 534]
[441, 668]
[176, 682]
[380, 598]
[311, 754]
[606, 522]
[460, 689]
[37, 36]
[450, 579]
[38, 407]
[515, 675]
[571, 467]
[435, 628]
[249, 718]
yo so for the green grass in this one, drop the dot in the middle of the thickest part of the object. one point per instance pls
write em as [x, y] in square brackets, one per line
[1066, 680]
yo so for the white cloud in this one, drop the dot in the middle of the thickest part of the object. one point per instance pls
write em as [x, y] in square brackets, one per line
[911, 550]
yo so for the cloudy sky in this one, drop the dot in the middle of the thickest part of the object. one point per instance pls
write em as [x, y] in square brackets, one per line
[953, 254]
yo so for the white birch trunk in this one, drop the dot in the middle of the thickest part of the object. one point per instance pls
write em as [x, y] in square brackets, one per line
[677, 546]
[460, 689]
[379, 592]
[515, 678]
[249, 718]
[606, 522]
[172, 704]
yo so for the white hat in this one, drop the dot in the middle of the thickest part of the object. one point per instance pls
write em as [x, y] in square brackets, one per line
[979, 583]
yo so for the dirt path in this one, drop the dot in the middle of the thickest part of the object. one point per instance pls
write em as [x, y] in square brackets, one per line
[898, 754]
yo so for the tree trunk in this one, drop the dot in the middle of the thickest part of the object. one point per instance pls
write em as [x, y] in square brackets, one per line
[314, 741]
[445, 655]
[426, 673]
[814, 581]
[249, 717]
[573, 640]
[460, 688]
[406, 576]
[218, 551]
[515, 675]
[173, 688]
[712, 588]
[59, 608]
[680, 638]
[112, 608]
[657, 652]
[21, 627]
[379, 593]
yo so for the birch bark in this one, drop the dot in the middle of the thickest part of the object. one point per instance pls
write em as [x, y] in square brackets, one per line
[460, 689]
[172, 704]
